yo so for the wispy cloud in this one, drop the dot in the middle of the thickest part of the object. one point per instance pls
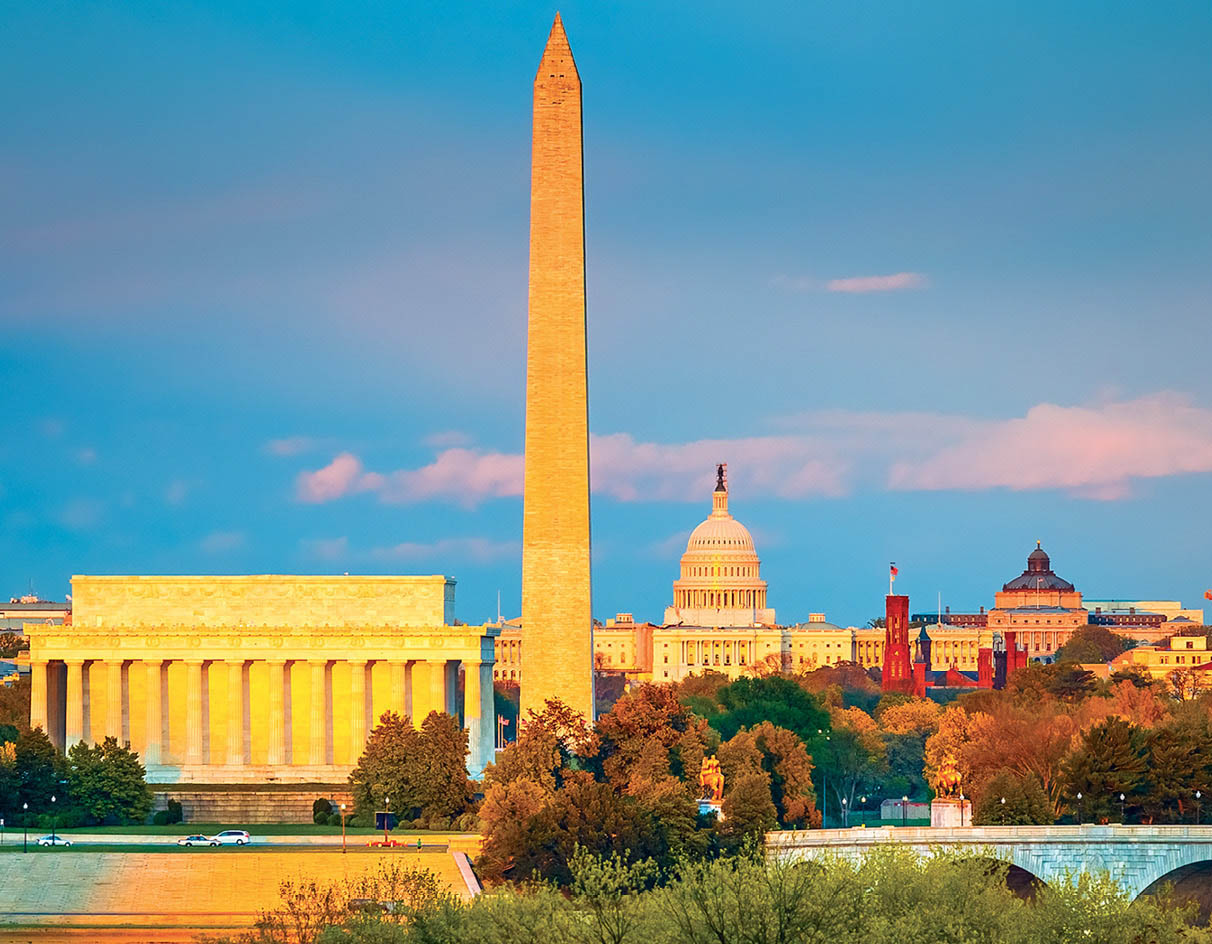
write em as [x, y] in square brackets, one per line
[477, 550]
[326, 549]
[222, 542]
[290, 446]
[447, 438]
[878, 283]
[81, 514]
[176, 492]
[1093, 451]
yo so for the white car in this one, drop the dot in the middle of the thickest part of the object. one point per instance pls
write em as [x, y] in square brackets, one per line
[197, 841]
[229, 837]
[54, 841]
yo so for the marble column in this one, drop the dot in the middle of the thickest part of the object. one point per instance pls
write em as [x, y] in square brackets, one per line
[397, 701]
[113, 699]
[39, 711]
[193, 711]
[74, 732]
[357, 710]
[471, 717]
[235, 712]
[437, 686]
[318, 742]
[153, 736]
[275, 755]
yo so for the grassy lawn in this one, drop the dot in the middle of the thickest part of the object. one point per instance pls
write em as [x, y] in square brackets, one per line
[257, 829]
[169, 846]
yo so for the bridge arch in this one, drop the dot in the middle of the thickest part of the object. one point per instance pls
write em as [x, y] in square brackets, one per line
[1191, 882]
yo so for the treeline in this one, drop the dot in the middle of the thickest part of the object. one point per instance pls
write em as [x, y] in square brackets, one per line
[1059, 745]
[94, 784]
[889, 898]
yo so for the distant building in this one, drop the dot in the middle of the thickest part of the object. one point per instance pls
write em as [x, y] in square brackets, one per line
[32, 609]
[1180, 653]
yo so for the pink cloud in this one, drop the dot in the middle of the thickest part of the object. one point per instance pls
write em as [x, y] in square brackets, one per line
[328, 549]
[1091, 451]
[878, 283]
[341, 477]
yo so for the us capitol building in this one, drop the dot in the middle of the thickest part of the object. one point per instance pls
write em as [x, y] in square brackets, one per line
[720, 620]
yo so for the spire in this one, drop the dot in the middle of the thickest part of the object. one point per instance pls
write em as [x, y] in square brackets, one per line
[719, 498]
[557, 62]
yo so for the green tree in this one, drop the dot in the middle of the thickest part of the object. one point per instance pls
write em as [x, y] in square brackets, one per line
[1070, 682]
[40, 771]
[422, 772]
[1179, 756]
[749, 812]
[1008, 799]
[1091, 644]
[14, 703]
[107, 784]
[750, 701]
[1107, 761]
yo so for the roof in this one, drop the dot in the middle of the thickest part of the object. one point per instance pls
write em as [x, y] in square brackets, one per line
[1038, 575]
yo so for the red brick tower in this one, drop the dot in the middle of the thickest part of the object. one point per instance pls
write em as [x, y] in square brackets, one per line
[898, 674]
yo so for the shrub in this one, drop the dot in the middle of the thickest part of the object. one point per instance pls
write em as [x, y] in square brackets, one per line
[176, 813]
[161, 818]
[320, 811]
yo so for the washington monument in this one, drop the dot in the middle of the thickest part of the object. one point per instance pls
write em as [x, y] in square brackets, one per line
[557, 620]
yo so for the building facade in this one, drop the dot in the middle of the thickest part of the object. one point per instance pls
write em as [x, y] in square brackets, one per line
[258, 678]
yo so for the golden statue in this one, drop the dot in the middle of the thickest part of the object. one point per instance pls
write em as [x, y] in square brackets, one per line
[947, 780]
[711, 779]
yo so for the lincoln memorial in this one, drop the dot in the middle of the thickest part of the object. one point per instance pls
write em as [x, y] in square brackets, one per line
[258, 678]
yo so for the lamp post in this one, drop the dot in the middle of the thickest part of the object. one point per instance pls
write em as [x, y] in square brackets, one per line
[1198, 797]
[1121, 810]
[342, 828]
[386, 818]
[1, 830]
[24, 827]
[1003, 811]
[904, 810]
[53, 818]
[1079, 807]
[845, 813]
[863, 803]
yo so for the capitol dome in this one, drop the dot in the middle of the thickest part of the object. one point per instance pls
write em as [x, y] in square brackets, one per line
[720, 583]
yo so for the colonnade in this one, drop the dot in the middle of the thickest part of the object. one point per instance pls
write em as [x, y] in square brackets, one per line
[62, 703]
[717, 651]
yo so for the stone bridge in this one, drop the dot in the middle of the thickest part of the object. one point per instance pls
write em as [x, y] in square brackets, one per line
[1139, 857]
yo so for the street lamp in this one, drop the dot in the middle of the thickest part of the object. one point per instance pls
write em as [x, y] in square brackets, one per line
[24, 827]
[1003, 811]
[904, 810]
[845, 813]
[1, 830]
[1198, 796]
[53, 818]
[1121, 809]
[386, 818]
[1079, 807]
[342, 828]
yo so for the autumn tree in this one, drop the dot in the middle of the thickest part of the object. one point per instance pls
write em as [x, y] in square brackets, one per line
[649, 737]
[549, 744]
[780, 759]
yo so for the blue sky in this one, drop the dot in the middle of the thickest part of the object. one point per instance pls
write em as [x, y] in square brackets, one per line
[933, 279]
